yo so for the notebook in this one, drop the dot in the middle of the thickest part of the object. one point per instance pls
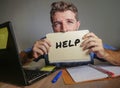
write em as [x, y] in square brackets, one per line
[88, 73]
[11, 69]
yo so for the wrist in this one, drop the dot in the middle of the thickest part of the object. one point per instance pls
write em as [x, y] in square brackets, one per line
[26, 56]
[106, 54]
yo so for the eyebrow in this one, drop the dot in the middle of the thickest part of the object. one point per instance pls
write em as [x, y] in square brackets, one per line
[66, 19]
[70, 19]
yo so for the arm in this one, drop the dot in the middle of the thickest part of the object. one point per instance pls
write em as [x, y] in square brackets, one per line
[26, 57]
[112, 56]
[40, 47]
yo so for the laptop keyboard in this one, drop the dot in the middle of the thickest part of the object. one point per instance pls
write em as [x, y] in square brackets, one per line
[34, 74]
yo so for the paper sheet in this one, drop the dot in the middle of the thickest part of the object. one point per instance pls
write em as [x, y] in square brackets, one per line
[85, 73]
[66, 47]
[3, 38]
[47, 68]
[115, 69]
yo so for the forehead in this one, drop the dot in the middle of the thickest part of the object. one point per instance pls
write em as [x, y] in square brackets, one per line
[64, 15]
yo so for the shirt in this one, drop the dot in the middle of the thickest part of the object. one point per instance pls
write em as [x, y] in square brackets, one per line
[71, 64]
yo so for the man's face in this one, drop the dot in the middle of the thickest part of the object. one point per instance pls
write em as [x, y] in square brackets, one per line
[65, 21]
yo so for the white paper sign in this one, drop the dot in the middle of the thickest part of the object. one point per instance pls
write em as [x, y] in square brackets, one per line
[66, 47]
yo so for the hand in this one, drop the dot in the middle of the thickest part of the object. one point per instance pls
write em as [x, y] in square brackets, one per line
[41, 47]
[93, 44]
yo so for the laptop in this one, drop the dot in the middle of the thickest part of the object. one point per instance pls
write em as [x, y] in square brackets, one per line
[11, 68]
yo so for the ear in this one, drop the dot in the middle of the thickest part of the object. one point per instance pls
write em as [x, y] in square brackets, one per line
[78, 25]
[53, 28]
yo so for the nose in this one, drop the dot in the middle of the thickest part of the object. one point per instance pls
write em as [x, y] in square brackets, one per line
[64, 28]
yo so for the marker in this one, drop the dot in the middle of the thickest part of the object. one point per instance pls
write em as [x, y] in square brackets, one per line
[57, 77]
[109, 73]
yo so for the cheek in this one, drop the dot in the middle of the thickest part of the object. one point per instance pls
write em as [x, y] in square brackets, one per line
[56, 30]
[73, 28]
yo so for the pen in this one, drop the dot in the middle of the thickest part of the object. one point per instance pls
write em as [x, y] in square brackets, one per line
[109, 73]
[57, 77]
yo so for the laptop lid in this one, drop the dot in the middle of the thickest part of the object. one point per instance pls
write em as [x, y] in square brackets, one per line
[10, 66]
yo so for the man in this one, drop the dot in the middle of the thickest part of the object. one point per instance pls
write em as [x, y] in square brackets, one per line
[64, 17]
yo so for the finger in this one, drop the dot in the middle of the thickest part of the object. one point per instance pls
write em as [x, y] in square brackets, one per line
[86, 41]
[37, 52]
[94, 49]
[43, 48]
[42, 44]
[48, 42]
[47, 46]
[35, 55]
[90, 45]
[91, 34]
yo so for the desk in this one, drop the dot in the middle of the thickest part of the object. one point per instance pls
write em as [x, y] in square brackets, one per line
[46, 83]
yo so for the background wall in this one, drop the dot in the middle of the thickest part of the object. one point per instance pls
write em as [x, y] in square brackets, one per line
[30, 19]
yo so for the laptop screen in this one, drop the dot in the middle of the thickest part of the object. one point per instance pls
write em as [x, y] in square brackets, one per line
[7, 40]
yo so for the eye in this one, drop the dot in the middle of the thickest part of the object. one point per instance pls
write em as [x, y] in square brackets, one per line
[56, 24]
[70, 22]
